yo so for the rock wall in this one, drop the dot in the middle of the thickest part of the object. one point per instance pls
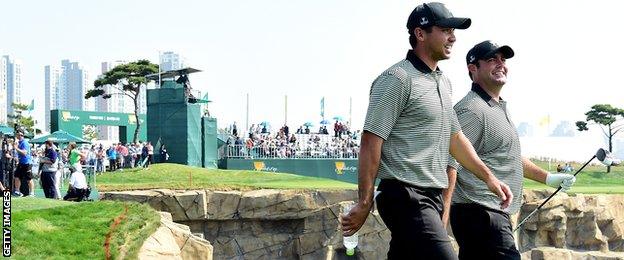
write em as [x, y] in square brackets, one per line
[266, 224]
[174, 241]
[286, 224]
[581, 222]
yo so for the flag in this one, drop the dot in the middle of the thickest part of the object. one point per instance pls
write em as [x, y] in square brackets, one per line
[31, 107]
[544, 121]
[323, 107]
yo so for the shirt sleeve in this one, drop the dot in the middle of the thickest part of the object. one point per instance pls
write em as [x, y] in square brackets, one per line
[455, 125]
[452, 162]
[388, 96]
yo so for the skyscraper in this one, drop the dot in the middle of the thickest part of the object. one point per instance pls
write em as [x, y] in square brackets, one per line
[171, 61]
[14, 82]
[52, 92]
[10, 85]
[75, 82]
[65, 88]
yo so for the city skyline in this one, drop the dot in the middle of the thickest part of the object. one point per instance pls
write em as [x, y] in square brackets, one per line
[310, 50]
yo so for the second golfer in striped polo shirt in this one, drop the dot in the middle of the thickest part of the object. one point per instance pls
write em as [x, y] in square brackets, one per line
[484, 119]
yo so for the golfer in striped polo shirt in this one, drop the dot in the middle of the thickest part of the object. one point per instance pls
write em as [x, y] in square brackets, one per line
[485, 121]
[409, 130]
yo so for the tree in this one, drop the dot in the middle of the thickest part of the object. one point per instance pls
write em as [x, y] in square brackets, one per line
[25, 122]
[89, 132]
[607, 118]
[125, 80]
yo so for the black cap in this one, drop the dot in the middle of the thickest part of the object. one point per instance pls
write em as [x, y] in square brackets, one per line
[430, 14]
[487, 49]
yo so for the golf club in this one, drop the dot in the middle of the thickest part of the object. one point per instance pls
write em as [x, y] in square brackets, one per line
[602, 155]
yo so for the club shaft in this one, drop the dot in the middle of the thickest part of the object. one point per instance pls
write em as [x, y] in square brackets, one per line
[550, 197]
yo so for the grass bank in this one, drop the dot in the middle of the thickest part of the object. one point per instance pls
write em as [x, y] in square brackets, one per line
[175, 176]
[50, 229]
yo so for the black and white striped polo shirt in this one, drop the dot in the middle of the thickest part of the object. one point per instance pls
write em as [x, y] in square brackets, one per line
[410, 107]
[487, 125]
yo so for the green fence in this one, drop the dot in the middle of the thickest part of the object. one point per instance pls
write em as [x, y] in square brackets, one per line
[342, 170]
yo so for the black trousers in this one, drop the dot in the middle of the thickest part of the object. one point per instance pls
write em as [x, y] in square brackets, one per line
[47, 183]
[414, 217]
[74, 194]
[482, 233]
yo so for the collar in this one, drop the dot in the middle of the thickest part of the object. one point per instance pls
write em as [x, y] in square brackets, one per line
[418, 63]
[484, 95]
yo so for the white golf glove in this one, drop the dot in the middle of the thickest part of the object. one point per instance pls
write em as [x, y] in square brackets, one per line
[556, 180]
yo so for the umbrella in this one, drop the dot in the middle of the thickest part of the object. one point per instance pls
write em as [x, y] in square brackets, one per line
[60, 137]
[6, 130]
[9, 131]
[308, 124]
[339, 118]
[265, 123]
[325, 122]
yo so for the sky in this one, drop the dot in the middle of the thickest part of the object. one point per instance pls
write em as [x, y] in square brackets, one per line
[567, 52]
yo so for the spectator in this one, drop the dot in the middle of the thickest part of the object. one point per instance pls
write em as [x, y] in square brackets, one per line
[49, 162]
[164, 156]
[75, 157]
[568, 168]
[99, 163]
[24, 166]
[78, 188]
[112, 158]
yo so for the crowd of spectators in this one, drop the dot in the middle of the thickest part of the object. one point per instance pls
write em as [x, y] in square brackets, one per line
[49, 163]
[260, 142]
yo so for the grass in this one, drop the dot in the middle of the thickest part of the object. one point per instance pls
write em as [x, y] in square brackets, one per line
[593, 179]
[49, 229]
[28, 203]
[175, 176]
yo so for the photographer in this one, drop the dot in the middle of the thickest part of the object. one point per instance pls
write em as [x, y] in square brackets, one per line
[6, 163]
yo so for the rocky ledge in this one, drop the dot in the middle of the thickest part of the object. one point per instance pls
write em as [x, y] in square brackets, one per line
[286, 224]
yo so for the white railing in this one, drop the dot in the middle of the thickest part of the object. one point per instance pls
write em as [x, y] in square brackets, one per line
[288, 152]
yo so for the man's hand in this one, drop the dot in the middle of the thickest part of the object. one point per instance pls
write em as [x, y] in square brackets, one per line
[556, 180]
[354, 219]
[501, 190]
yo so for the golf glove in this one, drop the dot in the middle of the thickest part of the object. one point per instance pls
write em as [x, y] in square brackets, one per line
[556, 180]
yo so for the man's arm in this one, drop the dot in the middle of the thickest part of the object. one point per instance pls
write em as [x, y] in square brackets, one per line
[447, 194]
[532, 171]
[555, 180]
[20, 151]
[368, 164]
[464, 153]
